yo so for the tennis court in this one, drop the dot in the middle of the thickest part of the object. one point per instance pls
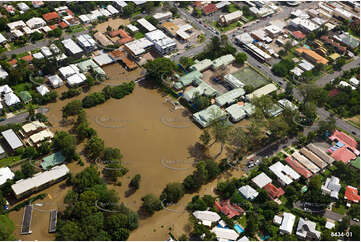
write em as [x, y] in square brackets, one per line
[250, 77]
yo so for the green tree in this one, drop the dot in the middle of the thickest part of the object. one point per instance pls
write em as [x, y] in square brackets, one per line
[172, 193]
[220, 131]
[72, 108]
[7, 228]
[128, 10]
[89, 177]
[186, 61]
[197, 12]
[159, 68]
[27, 169]
[134, 183]
[66, 143]
[252, 224]
[94, 147]
[201, 102]
[69, 231]
[205, 137]
[151, 203]
[355, 230]
[241, 57]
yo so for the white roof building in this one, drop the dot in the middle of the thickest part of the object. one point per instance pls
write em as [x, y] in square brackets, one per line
[340, 12]
[287, 223]
[55, 81]
[225, 234]
[38, 55]
[228, 18]
[33, 126]
[46, 51]
[16, 24]
[2, 39]
[345, 84]
[248, 192]
[5, 174]
[304, 24]
[307, 229]
[329, 225]
[86, 42]
[287, 103]
[305, 65]
[11, 99]
[39, 180]
[265, 90]
[112, 10]
[300, 14]
[222, 4]
[105, 12]
[139, 46]
[12, 139]
[285, 174]
[207, 217]
[261, 180]
[41, 136]
[161, 41]
[277, 220]
[84, 18]
[354, 81]
[132, 28]
[103, 59]
[76, 79]
[146, 25]
[3, 73]
[5, 89]
[69, 70]
[331, 187]
[35, 23]
[23, 7]
[163, 16]
[42, 90]
[297, 71]
[273, 30]
[244, 38]
[233, 81]
[54, 49]
[121, 4]
[17, 33]
[71, 46]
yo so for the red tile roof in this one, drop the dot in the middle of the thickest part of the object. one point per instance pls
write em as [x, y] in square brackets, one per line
[273, 191]
[298, 167]
[27, 58]
[197, 4]
[125, 37]
[53, 27]
[63, 25]
[333, 92]
[344, 138]
[343, 154]
[129, 63]
[298, 35]
[228, 209]
[351, 194]
[13, 62]
[210, 8]
[69, 12]
[50, 16]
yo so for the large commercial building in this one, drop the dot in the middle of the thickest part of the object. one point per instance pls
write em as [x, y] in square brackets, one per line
[161, 41]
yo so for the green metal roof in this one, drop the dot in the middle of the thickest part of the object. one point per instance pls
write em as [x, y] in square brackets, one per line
[230, 97]
[188, 79]
[356, 163]
[25, 96]
[85, 65]
[206, 116]
[223, 60]
[201, 65]
[52, 160]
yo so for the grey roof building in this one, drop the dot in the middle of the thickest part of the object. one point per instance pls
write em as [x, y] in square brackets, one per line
[12, 139]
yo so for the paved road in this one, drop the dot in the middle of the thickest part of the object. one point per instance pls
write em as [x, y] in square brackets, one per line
[41, 43]
[21, 118]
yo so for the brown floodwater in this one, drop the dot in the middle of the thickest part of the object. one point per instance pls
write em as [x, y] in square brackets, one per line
[156, 141]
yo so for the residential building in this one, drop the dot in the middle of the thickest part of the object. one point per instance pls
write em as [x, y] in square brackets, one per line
[287, 223]
[103, 59]
[3, 73]
[35, 23]
[222, 4]
[132, 28]
[230, 17]
[43, 90]
[3, 40]
[228, 209]
[342, 13]
[225, 234]
[306, 229]
[273, 30]
[38, 55]
[11, 99]
[46, 51]
[86, 42]
[146, 25]
[84, 19]
[72, 48]
[312, 56]
[208, 115]
[5, 174]
[163, 16]
[16, 25]
[300, 169]
[25, 96]
[320, 153]
[298, 35]
[184, 32]
[112, 10]
[51, 17]
[248, 192]
[265, 90]
[102, 39]
[2, 152]
[36, 139]
[285, 174]
[261, 180]
[138, 47]
[354, 82]
[23, 7]
[69, 70]
[285, 103]
[162, 43]
[305, 65]
[351, 194]
[76, 79]
[331, 187]
[55, 81]
[12, 139]
[314, 158]
[39, 181]
[206, 217]
[348, 40]
[209, 9]
[32, 128]
[273, 191]
[37, 4]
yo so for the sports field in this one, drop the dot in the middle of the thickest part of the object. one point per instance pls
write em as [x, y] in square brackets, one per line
[250, 77]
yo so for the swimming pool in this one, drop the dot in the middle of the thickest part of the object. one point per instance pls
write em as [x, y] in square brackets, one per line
[307, 46]
[238, 228]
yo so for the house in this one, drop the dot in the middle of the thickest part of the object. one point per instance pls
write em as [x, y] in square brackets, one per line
[306, 66]
[277, 220]
[2, 154]
[285, 103]
[16, 25]
[37, 4]
[10, 9]
[306, 229]
[348, 40]
[5, 174]
[162, 43]
[320, 153]
[248, 192]
[72, 48]
[273, 191]
[86, 42]
[103, 59]
[230, 18]
[208, 115]
[273, 30]
[124, 37]
[261, 180]
[43, 90]
[51, 17]
[4, 89]
[25, 96]
[84, 19]
[298, 35]
[55, 81]
[11, 99]
[228, 209]
[76, 79]
[224, 234]
[102, 39]
[3, 73]
[112, 10]
[12, 139]
[354, 82]
[32, 128]
[146, 25]
[304, 24]
[206, 217]
[3, 40]
[285, 174]
[287, 223]
[129, 64]
[345, 139]
[331, 187]
[38, 55]
[23, 7]
[138, 47]
[132, 28]
[39, 137]
[67, 71]
[351, 194]
[39, 181]
[209, 9]
[311, 55]
[35, 23]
